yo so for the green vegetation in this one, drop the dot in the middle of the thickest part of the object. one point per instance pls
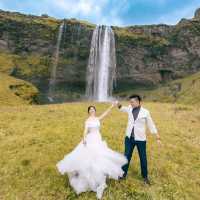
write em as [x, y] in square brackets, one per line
[185, 90]
[139, 38]
[74, 21]
[26, 65]
[33, 65]
[18, 17]
[16, 92]
[34, 138]
[6, 62]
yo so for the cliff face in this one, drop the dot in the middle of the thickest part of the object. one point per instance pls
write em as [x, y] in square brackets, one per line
[158, 53]
[146, 55]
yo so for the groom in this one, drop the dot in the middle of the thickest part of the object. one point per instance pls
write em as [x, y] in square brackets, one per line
[138, 118]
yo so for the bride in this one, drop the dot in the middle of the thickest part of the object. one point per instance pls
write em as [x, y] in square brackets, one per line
[92, 161]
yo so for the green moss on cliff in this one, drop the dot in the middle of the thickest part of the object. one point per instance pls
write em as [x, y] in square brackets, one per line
[139, 38]
[6, 62]
[87, 24]
[32, 65]
[29, 19]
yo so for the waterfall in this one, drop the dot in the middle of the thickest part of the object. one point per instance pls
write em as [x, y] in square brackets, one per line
[101, 67]
[52, 81]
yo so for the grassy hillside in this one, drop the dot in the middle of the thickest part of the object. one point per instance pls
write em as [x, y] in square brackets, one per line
[185, 90]
[34, 138]
[15, 91]
[19, 17]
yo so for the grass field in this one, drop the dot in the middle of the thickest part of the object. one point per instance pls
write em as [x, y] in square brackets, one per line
[34, 138]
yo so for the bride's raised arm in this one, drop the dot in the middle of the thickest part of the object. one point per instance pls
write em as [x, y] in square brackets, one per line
[106, 112]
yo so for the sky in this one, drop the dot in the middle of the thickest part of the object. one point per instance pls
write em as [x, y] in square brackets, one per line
[109, 12]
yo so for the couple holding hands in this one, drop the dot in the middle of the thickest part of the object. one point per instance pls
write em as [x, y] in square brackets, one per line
[92, 161]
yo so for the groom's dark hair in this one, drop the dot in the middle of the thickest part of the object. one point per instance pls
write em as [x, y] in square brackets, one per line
[136, 96]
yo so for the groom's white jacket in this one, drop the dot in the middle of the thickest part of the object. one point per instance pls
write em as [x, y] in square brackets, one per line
[143, 119]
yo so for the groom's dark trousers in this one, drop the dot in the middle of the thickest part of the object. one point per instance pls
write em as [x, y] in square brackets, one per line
[130, 143]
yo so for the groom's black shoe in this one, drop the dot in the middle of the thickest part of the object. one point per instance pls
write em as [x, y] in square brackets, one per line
[122, 177]
[146, 181]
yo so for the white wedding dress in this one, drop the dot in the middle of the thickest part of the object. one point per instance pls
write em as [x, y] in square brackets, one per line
[89, 165]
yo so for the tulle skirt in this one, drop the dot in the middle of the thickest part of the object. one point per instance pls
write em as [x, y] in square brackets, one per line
[89, 165]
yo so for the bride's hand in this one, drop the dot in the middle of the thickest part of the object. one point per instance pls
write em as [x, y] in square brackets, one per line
[115, 103]
[159, 142]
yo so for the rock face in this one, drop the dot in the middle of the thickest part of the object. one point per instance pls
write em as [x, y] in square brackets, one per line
[197, 13]
[146, 55]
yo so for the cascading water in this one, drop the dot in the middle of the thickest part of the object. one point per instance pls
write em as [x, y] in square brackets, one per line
[52, 81]
[101, 69]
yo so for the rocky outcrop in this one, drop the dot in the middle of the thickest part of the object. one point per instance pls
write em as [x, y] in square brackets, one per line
[197, 14]
[146, 55]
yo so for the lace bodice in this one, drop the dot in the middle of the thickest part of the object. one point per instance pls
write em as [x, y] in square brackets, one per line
[93, 125]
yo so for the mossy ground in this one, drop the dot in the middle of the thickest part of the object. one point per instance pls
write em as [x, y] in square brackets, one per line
[34, 138]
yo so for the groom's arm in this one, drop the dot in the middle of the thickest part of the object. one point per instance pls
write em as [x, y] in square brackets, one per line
[122, 108]
[152, 127]
[151, 124]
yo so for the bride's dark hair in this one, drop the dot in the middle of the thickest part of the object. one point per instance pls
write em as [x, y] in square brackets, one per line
[90, 108]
